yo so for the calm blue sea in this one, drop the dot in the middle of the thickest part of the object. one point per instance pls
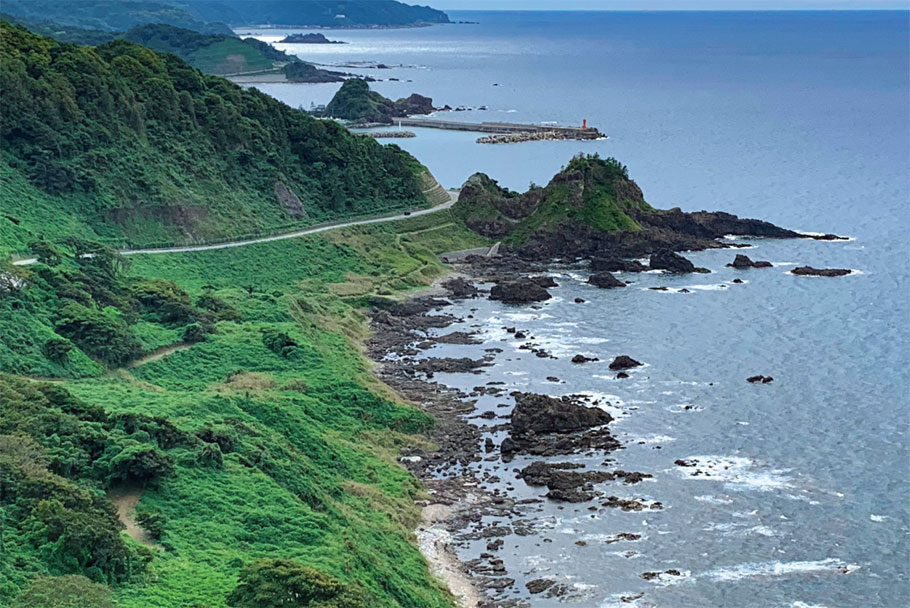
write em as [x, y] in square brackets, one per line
[802, 119]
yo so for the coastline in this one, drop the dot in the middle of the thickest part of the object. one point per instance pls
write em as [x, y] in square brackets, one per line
[452, 500]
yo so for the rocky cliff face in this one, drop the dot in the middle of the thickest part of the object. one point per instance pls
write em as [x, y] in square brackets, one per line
[593, 209]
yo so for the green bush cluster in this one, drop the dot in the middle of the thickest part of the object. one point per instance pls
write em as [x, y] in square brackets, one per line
[84, 305]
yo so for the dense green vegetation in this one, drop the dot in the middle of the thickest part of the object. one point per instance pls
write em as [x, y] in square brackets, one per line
[263, 457]
[120, 143]
[590, 191]
[110, 15]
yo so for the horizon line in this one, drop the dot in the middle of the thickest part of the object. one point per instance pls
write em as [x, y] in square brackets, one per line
[678, 10]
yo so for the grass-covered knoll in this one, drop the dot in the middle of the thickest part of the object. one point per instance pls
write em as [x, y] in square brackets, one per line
[212, 53]
[137, 147]
[590, 192]
[265, 456]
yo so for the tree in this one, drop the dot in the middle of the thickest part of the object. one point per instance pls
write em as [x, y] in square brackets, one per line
[279, 583]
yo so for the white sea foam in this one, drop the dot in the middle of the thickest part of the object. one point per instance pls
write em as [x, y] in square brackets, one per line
[775, 569]
[736, 472]
[716, 287]
[649, 439]
[875, 517]
[714, 500]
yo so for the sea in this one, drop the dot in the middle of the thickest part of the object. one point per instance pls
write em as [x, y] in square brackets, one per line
[798, 118]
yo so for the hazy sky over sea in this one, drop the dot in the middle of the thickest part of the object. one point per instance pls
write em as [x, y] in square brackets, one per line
[563, 5]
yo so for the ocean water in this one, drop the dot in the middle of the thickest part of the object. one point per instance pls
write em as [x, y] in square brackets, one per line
[802, 119]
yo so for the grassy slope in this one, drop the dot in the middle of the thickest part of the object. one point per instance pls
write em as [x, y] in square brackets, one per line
[147, 150]
[325, 489]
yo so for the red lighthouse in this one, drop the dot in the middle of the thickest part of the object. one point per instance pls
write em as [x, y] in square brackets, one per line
[584, 123]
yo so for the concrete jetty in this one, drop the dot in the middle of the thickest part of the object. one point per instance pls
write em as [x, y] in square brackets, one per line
[583, 132]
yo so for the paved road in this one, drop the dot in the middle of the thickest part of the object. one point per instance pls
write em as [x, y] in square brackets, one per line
[453, 198]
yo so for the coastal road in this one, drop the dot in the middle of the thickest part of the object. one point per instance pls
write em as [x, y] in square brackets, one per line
[453, 198]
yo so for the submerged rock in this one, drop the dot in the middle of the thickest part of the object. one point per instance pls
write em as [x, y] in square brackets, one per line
[539, 585]
[624, 362]
[605, 280]
[820, 272]
[665, 259]
[762, 379]
[827, 237]
[743, 261]
[519, 291]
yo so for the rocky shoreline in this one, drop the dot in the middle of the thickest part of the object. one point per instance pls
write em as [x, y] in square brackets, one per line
[540, 426]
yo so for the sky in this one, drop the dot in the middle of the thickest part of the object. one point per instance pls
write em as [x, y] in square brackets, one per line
[594, 5]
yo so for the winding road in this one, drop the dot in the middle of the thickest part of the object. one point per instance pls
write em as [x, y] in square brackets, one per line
[453, 198]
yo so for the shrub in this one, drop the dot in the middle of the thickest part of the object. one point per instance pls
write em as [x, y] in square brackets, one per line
[279, 343]
[71, 591]
[103, 338]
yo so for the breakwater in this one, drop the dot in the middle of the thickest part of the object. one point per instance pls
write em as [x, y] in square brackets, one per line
[389, 134]
[571, 132]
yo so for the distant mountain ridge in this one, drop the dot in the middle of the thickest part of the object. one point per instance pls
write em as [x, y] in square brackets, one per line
[211, 16]
[323, 13]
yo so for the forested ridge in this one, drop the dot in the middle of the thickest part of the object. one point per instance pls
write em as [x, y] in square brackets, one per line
[122, 143]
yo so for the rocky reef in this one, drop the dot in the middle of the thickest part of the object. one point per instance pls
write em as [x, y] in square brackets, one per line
[593, 210]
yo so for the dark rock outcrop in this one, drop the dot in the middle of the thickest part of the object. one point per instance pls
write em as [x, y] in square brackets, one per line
[545, 281]
[624, 362]
[544, 414]
[416, 104]
[809, 271]
[290, 202]
[546, 426]
[519, 291]
[665, 259]
[605, 280]
[616, 265]
[582, 359]
[460, 288]
[743, 261]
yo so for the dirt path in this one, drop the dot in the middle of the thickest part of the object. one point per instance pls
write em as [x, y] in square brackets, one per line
[126, 500]
[160, 353]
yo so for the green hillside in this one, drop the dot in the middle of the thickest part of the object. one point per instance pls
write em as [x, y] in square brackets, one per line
[125, 145]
